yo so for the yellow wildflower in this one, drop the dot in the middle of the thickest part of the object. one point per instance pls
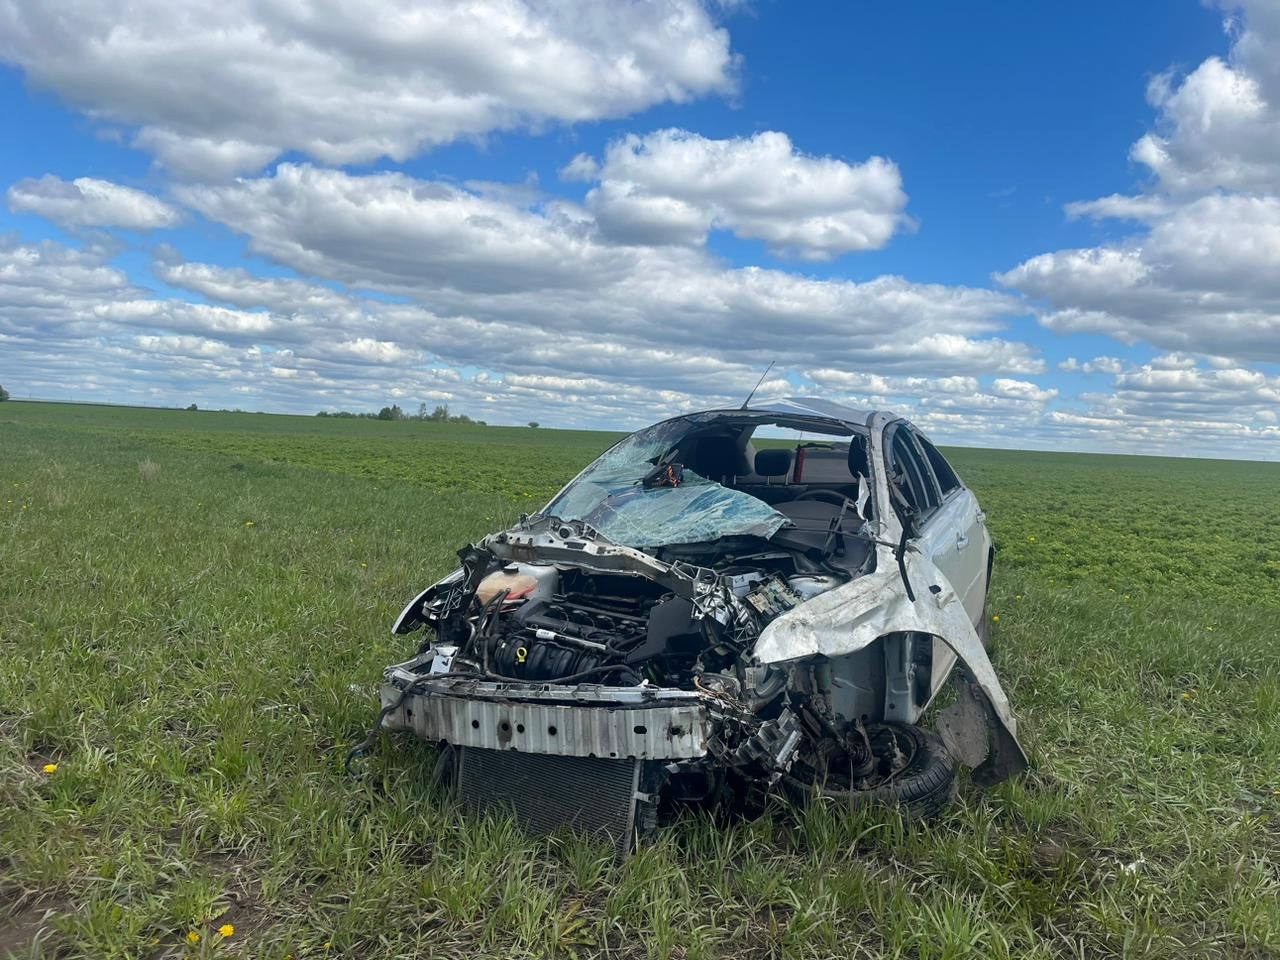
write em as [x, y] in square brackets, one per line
[248, 523]
[193, 937]
[995, 618]
[226, 930]
[50, 768]
[1031, 539]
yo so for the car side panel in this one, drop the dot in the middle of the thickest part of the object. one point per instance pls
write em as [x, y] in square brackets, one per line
[954, 538]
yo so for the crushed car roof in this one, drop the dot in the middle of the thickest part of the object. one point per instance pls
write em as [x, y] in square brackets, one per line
[804, 407]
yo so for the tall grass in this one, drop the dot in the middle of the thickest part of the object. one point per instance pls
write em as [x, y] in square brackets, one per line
[195, 646]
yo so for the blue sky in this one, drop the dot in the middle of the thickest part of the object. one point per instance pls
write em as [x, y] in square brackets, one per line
[1020, 225]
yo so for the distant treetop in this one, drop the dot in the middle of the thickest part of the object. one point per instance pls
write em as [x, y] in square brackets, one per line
[440, 414]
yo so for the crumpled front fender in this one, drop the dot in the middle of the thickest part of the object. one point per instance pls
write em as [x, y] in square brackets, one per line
[849, 618]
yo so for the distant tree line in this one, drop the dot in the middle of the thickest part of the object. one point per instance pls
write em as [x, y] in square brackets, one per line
[4, 394]
[440, 414]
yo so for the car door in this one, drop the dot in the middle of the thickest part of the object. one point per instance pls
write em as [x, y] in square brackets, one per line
[956, 533]
[941, 523]
[914, 487]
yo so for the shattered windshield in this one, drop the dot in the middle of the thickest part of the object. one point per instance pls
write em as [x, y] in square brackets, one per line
[610, 496]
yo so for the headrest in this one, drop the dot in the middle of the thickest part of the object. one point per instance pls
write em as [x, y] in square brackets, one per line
[717, 457]
[774, 463]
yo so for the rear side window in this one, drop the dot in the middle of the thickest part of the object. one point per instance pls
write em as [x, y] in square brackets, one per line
[910, 474]
[942, 471]
[821, 464]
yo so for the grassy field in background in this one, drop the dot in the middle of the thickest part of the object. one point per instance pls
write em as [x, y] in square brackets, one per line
[194, 614]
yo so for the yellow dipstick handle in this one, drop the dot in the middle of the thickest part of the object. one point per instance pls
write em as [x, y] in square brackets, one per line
[521, 654]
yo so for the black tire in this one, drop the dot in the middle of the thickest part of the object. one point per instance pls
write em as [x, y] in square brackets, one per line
[927, 784]
[921, 790]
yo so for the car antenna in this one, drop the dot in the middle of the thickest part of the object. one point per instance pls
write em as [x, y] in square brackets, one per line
[757, 386]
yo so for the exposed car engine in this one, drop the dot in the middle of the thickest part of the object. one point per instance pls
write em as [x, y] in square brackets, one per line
[613, 628]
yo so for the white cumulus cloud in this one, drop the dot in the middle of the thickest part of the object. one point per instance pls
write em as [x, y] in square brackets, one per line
[88, 202]
[673, 186]
[1219, 126]
[1201, 275]
[218, 88]
[1204, 279]
[549, 269]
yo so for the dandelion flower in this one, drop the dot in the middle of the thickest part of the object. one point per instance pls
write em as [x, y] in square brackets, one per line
[248, 523]
[193, 937]
[226, 930]
[1031, 539]
[328, 945]
[50, 768]
[995, 618]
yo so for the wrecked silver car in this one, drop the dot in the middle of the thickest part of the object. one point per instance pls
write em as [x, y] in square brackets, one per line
[708, 612]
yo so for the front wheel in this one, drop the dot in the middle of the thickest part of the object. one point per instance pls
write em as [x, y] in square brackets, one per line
[912, 771]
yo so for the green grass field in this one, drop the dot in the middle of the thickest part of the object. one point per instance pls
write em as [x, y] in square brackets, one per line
[194, 614]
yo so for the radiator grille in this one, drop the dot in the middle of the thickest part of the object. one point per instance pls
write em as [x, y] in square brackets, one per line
[547, 793]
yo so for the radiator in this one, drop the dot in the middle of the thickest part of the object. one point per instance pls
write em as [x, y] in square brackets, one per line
[546, 793]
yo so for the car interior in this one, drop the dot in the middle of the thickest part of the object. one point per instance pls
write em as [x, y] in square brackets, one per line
[814, 483]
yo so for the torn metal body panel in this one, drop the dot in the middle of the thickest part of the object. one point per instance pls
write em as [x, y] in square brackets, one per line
[715, 612]
[851, 618]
